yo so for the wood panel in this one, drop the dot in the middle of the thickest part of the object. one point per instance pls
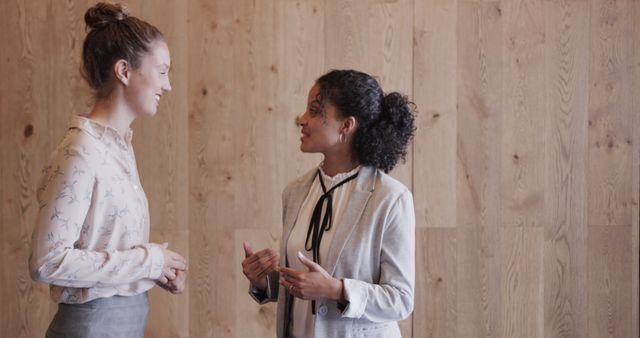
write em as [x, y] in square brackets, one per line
[609, 281]
[434, 91]
[437, 282]
[525, 169]
[610, 115]
[479, 114]
[521, 283]
[565, 214]
[522, 158]
[635, 223]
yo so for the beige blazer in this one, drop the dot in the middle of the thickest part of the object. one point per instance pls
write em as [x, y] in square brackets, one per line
[373, 251]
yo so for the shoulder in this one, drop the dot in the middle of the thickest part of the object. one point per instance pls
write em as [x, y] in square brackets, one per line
[78, 147]
[300, 181]
[387, 185]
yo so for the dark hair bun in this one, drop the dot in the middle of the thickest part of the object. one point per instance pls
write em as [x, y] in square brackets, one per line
[103, 14]
[398, 111]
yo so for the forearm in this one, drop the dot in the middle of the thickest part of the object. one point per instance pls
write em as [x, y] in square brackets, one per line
[86, 268]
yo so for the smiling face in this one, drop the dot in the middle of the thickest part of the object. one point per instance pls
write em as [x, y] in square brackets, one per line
[149, 81]
[320, 126]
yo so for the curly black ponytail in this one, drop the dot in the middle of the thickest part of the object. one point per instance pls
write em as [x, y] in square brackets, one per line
[385, 122]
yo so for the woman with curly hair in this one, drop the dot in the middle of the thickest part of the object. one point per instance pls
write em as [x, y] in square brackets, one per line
[346, 266]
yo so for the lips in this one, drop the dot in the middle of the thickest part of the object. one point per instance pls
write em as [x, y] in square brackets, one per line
[157, 97]
[303, 135]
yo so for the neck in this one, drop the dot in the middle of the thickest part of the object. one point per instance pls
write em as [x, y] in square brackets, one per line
[334, 164]
[113, 113]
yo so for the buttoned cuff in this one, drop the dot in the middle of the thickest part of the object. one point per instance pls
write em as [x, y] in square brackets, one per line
[260, 296]
[155, 259]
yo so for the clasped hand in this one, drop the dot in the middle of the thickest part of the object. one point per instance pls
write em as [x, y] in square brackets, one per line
[174, 271]
[315, 283]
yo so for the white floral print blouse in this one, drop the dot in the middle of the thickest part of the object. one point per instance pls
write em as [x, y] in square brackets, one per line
[92, 231]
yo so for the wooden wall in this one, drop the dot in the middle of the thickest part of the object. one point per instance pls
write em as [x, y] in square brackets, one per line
[525, 169]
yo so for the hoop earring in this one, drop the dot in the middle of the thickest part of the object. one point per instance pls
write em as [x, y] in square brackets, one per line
[341, 138]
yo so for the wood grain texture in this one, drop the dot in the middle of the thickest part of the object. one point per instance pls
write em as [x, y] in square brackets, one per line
[522, 160]
[635, 214]
[434, 91]
[525, 169]
[610, 117]
[437, 283]
[609, 281]
[521, 282]
[479, 89]
[565, 214]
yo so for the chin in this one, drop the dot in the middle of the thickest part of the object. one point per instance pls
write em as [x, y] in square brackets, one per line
[150, 112]
[307, 149]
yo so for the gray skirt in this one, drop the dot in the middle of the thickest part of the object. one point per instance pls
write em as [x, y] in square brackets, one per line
[113, 317]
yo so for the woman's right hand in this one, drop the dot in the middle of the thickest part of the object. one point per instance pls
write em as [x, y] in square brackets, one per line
[172, 262]
[256, 266]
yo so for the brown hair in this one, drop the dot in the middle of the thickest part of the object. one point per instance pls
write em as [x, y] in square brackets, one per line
[113, 35]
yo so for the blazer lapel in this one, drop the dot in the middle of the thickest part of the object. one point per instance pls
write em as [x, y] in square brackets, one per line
[293, 203]
[365, 183]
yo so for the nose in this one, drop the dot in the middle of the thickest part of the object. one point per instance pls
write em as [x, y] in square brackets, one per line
[167, 86]
[301, 120]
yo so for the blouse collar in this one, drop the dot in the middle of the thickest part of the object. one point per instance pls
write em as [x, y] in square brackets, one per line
[99, 130]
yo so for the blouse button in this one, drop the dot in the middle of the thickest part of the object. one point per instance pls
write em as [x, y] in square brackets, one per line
[135, 187]
[322, 310]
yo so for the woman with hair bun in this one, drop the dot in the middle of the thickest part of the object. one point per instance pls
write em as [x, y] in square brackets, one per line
[91, 240]
[346, 266]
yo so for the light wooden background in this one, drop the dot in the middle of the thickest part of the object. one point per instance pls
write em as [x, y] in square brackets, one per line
[525, 169]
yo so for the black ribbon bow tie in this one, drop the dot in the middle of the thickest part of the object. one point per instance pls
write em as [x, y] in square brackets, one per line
[316, 228]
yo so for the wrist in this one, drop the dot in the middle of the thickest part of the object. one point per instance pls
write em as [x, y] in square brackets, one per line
[337, 293]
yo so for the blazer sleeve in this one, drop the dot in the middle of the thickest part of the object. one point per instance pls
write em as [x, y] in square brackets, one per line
[271, 293]
[392, 298]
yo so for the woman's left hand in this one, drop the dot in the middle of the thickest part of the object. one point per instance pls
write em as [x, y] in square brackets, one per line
[313, 284]
[177, 285]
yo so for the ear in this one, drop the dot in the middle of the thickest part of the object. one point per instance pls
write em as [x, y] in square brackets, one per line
[349, 125]
[122, 71]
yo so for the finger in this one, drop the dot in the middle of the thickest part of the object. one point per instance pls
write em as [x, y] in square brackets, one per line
[177, 257]
[247, 249]
[169, 274]
[311, 265]
[164, 287]
[163, 280]
[178, 289]
[286, 284]
[178, 262]
[259, 264]
[264, 272]
[258, 256]
[268, 260]
[265, 254]
[290, 272]
[181, 276]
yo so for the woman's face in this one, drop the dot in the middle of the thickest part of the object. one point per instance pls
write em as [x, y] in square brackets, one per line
[320, 127]
[149, 81]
